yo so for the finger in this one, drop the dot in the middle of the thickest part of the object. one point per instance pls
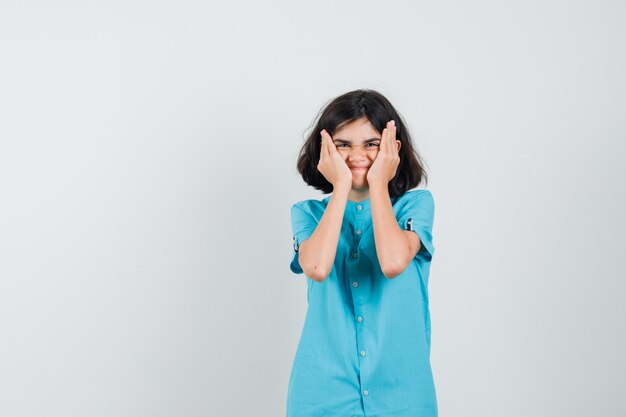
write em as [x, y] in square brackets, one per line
[326, 140]
[388, 129]
[383, 140]
[323, 145]
[391, 134]
[396, 143]
[330, 146]
[392, 138]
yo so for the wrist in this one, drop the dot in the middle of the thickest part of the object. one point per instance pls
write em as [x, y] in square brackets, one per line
[342, 187]
[378, 185]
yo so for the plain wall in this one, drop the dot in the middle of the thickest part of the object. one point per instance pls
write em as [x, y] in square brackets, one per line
[147, 170]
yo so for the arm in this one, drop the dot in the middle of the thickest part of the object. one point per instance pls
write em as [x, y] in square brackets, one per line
[395, 248]
[317, 253]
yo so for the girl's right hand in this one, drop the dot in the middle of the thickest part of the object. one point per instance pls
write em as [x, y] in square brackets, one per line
[331, 165]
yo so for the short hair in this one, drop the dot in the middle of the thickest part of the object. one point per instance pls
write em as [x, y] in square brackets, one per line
[378, 110]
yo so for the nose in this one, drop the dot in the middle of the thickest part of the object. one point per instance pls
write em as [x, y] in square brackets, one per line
[357, 150]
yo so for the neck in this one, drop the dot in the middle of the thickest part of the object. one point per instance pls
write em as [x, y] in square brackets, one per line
[359, 194]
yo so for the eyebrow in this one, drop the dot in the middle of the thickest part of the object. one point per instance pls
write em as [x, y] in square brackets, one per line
[365, 141]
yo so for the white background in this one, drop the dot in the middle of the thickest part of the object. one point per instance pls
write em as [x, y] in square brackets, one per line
[147, 170]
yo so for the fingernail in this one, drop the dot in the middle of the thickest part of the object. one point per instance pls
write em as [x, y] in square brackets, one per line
[393, 122]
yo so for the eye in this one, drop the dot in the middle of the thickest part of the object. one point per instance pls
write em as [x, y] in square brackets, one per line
[339, 145]
[374, 144]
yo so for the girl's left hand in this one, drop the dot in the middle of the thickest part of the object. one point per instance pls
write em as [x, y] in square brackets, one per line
[384, 167]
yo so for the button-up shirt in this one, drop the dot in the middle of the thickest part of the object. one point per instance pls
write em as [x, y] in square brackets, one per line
[364, 350]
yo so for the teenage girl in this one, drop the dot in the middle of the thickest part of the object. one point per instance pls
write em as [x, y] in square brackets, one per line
[366, 250]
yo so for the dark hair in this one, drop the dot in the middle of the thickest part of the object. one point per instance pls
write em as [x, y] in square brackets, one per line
[378, 110]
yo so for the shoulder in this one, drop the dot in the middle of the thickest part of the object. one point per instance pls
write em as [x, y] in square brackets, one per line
[413, 196]
[312, 206]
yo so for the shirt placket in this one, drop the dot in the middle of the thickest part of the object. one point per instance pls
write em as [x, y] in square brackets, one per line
[359, 289]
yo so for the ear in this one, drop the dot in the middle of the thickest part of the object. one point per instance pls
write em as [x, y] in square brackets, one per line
[398, 145]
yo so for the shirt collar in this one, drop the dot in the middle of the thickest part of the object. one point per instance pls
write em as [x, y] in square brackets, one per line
[354, 206]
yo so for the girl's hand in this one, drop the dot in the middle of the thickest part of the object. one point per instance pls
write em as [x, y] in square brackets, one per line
[384, 167]
[331, 165]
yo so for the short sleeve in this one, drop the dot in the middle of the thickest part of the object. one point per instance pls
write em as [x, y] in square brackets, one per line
[417, 214]
[303, 225]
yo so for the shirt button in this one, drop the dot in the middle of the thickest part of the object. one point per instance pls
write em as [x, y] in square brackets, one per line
[359, 319]
[355, 284]
[358, 232]
[365, 392]
[354, 255]
[359, 207]
[362, 353]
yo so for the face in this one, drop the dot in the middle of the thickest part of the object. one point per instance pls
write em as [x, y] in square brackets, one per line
[358, 142]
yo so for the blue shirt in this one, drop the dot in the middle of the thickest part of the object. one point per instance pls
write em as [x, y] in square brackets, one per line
[364, 350]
